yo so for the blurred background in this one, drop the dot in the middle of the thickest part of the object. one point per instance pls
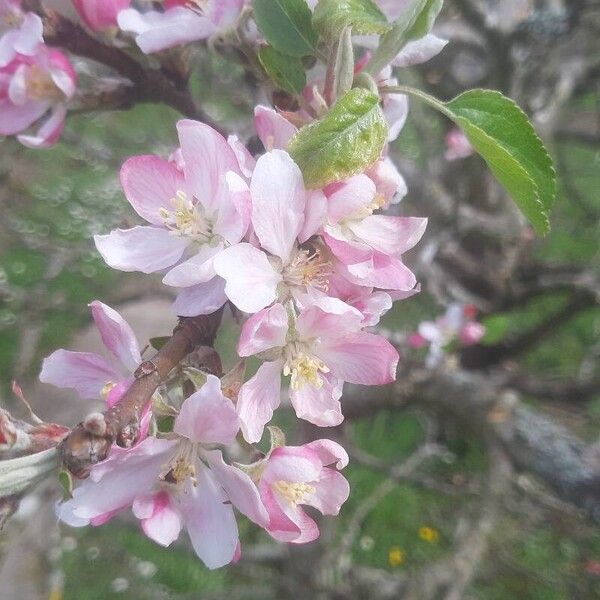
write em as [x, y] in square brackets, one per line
[477, 479]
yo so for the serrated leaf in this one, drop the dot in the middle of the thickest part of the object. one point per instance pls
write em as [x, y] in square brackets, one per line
[331, 17]
[416, 20]
[286, 71]
[346, 141]
[504, 121]
[286, 25]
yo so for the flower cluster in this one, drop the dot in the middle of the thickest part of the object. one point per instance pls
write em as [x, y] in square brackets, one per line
[35, 81]
[457, 325]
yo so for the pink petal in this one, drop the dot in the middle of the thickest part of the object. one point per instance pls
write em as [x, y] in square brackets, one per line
[235, 209]
[207, 416]
[258, 398]
[264, 330]
[30, 35]
[273, 130]
[329, 452]
[278, 202]
[328, 318]
[150, 183]
[201, 299]
[160, 519]
[197, 269]
[49, 132]
[361, 357]
[389, 235]
[246, 161]
[395, 109]
[209, 520]
[14, 119]
[332, 490]
[349, 198]
[419, 51]
[382, 271]
[347, 251]
[281, 527]
[240, 489]
[208, 157]
[145, 249]
[116, 335]
[251, 280]
[319, 406]
[84, 372]
[309, 531]
[314, 216]
[388, 181]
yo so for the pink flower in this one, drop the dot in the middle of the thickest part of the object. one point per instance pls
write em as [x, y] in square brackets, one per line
[31, 87]
[100, 15]
[471, 333]
[457, 145]
[20, 33]
[320, 349]
[179, 482]
[89, 374]
[180, 23]
[273, 129]
[368, 245]
[299, 475]
[283, 213]
[194, 215]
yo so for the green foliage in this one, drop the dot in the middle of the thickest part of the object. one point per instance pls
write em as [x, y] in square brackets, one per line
[501, 132]
[346, 141]
[286, 71]
[331, 17]
[286, 25]
[415, 21]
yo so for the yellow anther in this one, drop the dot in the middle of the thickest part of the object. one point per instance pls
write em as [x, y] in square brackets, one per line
[106, 388]
[294, 493]
[308, 269]
[185, 218]
[303, 369]
[40, 85]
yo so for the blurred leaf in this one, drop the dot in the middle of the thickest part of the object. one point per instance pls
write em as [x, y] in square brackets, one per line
[331, 17]
[286, 25]
[158, 342]
[346, 141]
[415, 21]
[343, 65]
[286, 71]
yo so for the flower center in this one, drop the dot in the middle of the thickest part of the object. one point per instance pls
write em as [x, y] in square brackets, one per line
[186, 218]
[294, 493]
[40, 85]
[182, 465]
[308, 268]
[304, 368]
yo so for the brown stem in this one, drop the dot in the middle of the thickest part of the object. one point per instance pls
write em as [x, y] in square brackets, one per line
[90, 441]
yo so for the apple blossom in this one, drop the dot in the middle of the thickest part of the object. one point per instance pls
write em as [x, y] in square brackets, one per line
[100, 15]
[193, 215]
[457, 145]
[319, 350]
[182, 22]
[20, 32]
[179, 481]
[30, 88]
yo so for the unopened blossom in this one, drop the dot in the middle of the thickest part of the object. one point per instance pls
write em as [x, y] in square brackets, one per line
[180, 23]
[20, 32]
[193, 215]
[36, 89]
[100, 15]
[457, 145]
[177, 482]
[319, 350]
[293, 476]
[284, 214]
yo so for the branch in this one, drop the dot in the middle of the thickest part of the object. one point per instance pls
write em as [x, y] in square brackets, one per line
[90, 441]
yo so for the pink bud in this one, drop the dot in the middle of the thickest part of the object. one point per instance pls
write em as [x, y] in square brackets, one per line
[471, 333]
[416, 340]
[100, 15]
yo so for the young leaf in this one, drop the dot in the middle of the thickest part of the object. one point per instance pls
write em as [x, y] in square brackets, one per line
[286, 71]
[286, 25]
[346, 141]
[332, 16]
[502, 134]
[340, 70]
[414, 22]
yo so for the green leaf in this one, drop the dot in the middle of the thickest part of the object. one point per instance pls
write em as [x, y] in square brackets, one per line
[66, 482]
[500, 118]
[346, 141]
[416, 20]
[286, 25]
[331, 17]
[19, 474]
[158, 342]
[286, 71]
[502, 134]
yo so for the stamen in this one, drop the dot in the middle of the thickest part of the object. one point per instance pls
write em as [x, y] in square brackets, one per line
[182, 465]
[304, 369]
[294, 493]
[185, 219]
[308, 268]
[40, 85]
